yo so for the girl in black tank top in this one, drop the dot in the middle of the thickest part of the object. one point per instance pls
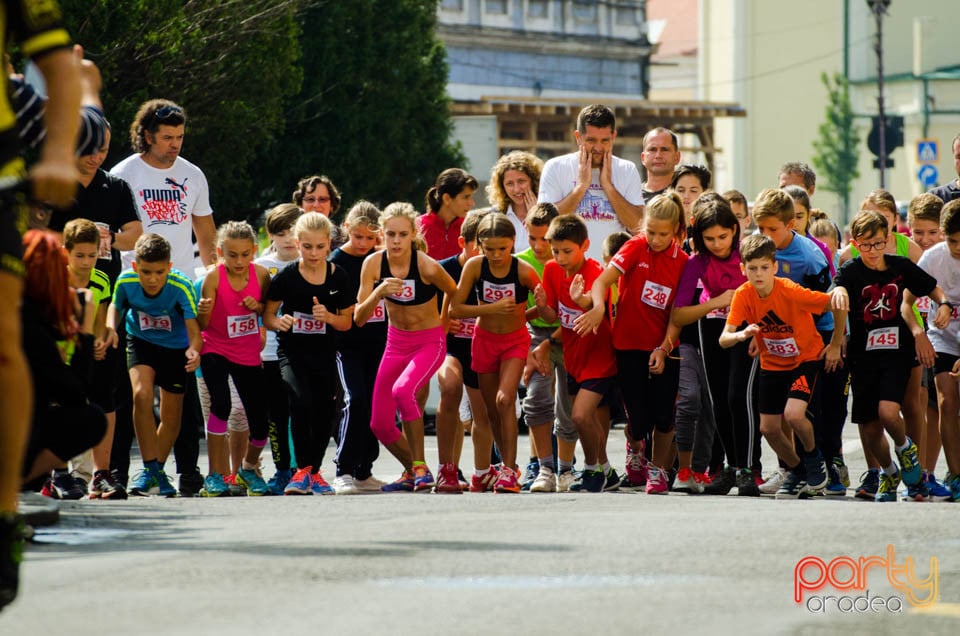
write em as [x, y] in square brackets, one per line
[415, 291]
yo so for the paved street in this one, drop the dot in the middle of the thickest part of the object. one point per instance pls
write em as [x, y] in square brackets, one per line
[617, 563]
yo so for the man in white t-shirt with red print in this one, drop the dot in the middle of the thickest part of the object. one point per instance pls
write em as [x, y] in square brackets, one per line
[171, 193]
[603, 190]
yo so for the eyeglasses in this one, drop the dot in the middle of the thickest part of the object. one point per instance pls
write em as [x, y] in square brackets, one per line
[165, 112]
[312, 199]
[871, 247]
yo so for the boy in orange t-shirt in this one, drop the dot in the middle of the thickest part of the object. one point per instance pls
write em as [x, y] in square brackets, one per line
[780, 314]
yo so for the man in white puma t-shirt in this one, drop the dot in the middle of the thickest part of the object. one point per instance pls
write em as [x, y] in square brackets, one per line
[171, 193]
[603, 190]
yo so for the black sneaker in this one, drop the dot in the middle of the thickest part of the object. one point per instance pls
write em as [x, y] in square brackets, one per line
[746, 486]
[592, 481]
[793, 487]
[869, 484]
[11, 554]
[104, 486]
[191, 483]
[64, 486]
[816, 471]
[723, 483]
[611, 481]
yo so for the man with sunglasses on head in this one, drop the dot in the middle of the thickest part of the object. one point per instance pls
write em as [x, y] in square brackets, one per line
[173, 200]
[171, 193]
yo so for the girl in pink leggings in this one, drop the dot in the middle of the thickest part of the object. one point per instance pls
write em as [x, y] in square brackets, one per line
[409, 281]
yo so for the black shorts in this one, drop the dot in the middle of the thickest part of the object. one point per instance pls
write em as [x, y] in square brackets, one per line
[459, 348]
[13, 223]
[943, 364]
[776, 387]
[168, 364]
[606, 387]
[872, 383]
[104, 390]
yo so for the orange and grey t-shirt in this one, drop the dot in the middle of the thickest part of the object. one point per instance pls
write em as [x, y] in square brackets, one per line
[788, 336]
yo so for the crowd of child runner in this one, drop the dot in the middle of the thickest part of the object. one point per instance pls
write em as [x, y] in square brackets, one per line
[707, 336]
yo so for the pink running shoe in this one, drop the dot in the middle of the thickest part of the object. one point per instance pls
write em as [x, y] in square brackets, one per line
[447, 480]
[484, 483]
[657, 481]
[507, 481]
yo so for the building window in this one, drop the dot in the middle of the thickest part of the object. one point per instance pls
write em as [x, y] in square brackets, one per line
[451, 5]
[585, 11]
[538, 8]
[498, 7]
[626, 15]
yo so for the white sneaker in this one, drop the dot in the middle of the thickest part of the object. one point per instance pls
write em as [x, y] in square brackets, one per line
[344, 485]
[546, 481]
[565, 480]
[773, 483]
[370, 484]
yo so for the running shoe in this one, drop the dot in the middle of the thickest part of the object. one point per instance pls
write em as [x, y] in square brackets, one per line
[702, 479]
[567, 479]
[887, 491]
[815, 470]
[191, 483]
[657, 483]
[253, 480]
[835, 487]
[370, 484]
[65, 486]
[793, 487]
[345, 485]
[279, 481]
[299, 484]
[546, 481]
[447, 480]
[104, 486]
[166, 488]
[937, 490]
[842, 469]
[464, 484]
[917, 492]
[686, 482]
[531, 473]
[404, 483]
[611, 482]
[773, 482]
[757, 476]
[144, 484]
[635, 469]
[484, 482]
[909, 463]
[11, 555]
[592, 481]
[953, 482]
[869, 483]
[722, 483]
[746, 486]
[319, 485]
[507, 481]
[214, 486]
[236, 490]
[422, 478]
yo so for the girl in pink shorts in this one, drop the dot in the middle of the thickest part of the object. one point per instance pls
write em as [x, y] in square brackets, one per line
[501, 340]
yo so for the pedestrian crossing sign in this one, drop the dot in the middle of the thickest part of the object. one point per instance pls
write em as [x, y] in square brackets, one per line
[928, 151]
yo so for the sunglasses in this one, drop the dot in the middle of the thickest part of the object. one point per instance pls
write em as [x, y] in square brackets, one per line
[165, 112]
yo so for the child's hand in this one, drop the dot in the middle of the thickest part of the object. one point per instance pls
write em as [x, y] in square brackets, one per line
[839, 299]
[538, 360]
[925, 353]
[505, 306]
[205, 306]
[942, 319]
[286, 322]
[539, 296]
[724, 299]
[319, 311]
[576, 288]
[252, 304]
[588, 321]
[832, 356]
[749, 332]
[100, 345]
[193, 360]
[389, 287]
[658, 360]
[453, 325]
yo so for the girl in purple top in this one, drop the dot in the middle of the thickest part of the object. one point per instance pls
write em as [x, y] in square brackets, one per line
[715, 234]
[229, 315]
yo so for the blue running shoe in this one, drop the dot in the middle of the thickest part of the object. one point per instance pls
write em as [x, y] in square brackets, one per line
[917, 492]
[254, 483]
[937, 490]
[953, 483]
[592, 481]
[835, 487]
[910, 464]
[279, 481]
[144, 484]
[299, 484]
[533, 470]
[404, 483]
[319, 485]
[166, 488]
[887, 490]
[422, 478]
[869, 483]
[214, 486]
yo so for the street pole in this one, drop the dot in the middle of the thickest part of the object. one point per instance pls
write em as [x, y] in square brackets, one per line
[879, 9]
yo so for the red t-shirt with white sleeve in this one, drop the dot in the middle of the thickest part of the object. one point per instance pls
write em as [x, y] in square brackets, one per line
[587, 357]
[648, 286]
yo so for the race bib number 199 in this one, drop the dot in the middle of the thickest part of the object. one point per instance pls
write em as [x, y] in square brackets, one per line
[307, 324]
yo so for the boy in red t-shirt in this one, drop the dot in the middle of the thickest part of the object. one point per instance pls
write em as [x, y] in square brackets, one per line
[780, 314]
[589, 358]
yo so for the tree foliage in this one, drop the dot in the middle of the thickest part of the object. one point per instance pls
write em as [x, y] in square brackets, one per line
[279, 89]
[836, 146]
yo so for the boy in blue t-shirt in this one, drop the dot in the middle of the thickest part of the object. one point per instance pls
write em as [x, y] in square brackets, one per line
[160, 309]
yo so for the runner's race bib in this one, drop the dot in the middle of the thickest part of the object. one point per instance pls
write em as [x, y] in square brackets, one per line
[466, 328]
[240, 326]
[408, 292]
[783, 347]
[568, 315]
[379, 312]
[655, 295]
[154, 323]
[493, 292]
[307, 324]
[883, 338]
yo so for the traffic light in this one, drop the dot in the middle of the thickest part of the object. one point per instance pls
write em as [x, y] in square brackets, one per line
[893, 138]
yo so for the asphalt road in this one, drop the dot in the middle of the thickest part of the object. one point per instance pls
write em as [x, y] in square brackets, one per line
[616, 563]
